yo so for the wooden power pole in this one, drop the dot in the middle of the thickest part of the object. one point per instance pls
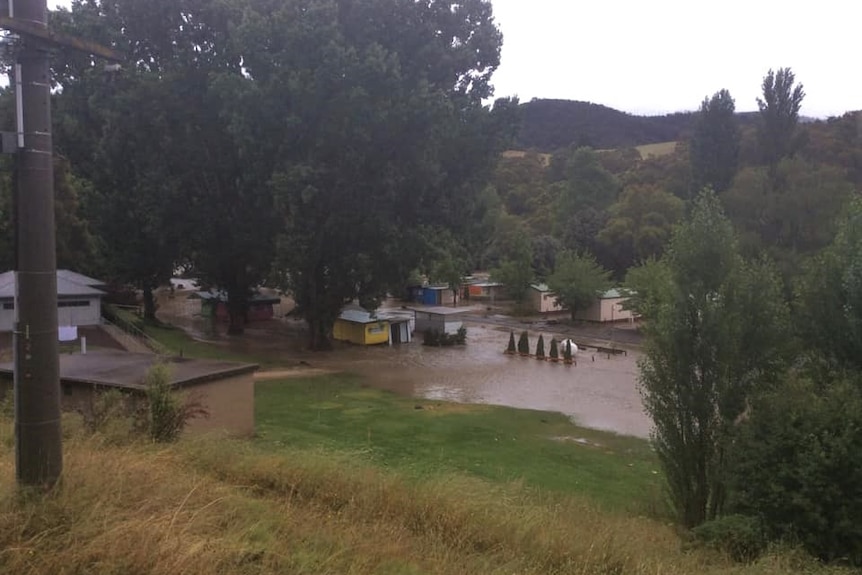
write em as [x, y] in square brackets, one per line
[38, 440]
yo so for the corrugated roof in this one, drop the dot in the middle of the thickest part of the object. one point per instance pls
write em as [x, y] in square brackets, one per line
[440, 310]
[354, 315]
[540, 287]
[65, 286]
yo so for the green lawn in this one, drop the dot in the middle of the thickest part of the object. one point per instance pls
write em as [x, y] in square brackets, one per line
[421, 438]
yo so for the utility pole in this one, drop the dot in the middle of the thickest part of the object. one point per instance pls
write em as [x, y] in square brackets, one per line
[38, 438]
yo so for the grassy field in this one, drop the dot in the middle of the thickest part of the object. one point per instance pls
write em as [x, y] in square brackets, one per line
[218, 506]
[420, 438]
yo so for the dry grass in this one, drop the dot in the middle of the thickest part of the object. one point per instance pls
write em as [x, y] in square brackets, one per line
[216, 506]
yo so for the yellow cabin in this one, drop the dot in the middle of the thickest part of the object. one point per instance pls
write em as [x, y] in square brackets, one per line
[360, 327]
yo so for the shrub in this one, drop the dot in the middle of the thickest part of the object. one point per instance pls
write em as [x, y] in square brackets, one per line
[511, 347]
[797, 463]
[567, 352]
[540, 347]
[436, 338]
[524, 343]
[555, 351]
[739, 536]
[167, 412]
[105, 406]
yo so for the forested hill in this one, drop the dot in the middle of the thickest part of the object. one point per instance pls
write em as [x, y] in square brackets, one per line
[549, 125]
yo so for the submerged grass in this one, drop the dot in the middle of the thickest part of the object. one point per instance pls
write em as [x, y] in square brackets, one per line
[212, 506]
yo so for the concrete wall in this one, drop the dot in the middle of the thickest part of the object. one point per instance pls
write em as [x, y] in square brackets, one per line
[230, 403]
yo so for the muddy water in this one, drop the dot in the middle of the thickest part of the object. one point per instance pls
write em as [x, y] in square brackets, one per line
[599, 392]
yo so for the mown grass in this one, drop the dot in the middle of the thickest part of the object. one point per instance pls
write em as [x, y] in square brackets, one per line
[423, 438]
[213, 506]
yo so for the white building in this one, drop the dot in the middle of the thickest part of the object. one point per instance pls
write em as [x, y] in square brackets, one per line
[78, 302]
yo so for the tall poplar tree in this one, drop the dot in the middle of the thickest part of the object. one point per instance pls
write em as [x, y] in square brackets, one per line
[714, 149]
[716, 330]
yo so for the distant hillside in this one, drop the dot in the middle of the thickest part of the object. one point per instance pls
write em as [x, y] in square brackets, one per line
[549, 125]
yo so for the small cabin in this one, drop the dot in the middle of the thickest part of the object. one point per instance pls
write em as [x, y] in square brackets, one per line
[608, 307]
[485, 291]
[443, 319]
[359, 326]
[544, 300]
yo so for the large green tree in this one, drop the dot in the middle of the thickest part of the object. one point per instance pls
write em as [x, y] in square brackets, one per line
[714, 149]
[779, 115]
[829, 296]
[513, 248]
[171, 143]
[716, 331]
[382, 136]
[578, 280]
[789, 211]
[640, 224]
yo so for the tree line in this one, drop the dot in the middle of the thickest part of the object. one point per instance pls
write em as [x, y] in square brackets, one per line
[324, 147]
[741, 252]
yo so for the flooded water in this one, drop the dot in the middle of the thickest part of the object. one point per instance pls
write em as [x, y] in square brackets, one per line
[599, 392]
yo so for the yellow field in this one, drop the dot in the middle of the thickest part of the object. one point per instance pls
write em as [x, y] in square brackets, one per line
[546, 158]
[655, 150]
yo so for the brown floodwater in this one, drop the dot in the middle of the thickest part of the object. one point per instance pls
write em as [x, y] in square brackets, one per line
[600, 391]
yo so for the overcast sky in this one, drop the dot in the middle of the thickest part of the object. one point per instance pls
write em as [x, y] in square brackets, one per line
[661, 56]
[657, 56]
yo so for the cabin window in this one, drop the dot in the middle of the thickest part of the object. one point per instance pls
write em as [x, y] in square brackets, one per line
[10, 305]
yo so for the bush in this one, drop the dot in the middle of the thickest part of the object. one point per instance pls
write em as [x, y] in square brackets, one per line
[436, 338]
[524, 343]
[167, 412]
[797, 464]
[540, 347]
[739, 536]
[105, 406]
[555, 349]
[511, 347]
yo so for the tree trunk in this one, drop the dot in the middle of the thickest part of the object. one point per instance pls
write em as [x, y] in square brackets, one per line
[149, 304]
[236, 321]
[318, 334]
[237, 308]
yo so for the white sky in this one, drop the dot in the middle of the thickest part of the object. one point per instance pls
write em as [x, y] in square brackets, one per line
[658, 56]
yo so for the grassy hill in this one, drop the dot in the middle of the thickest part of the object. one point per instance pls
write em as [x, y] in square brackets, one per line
[550, 125]
[348, 480]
